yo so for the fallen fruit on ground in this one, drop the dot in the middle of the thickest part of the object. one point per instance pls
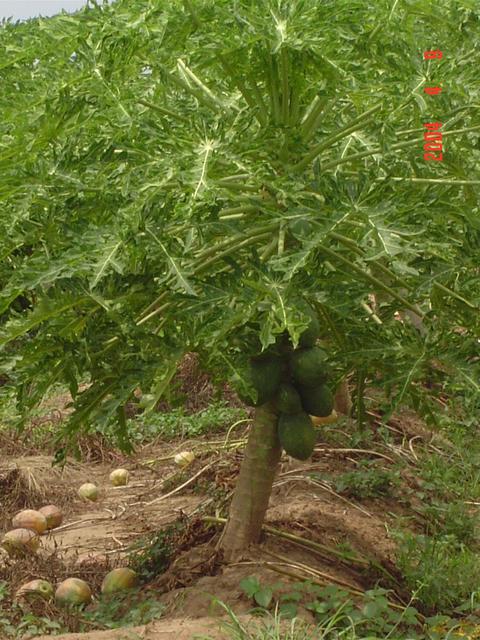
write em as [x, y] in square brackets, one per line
[88, 491]
[53, 515]
[20, 541]
[119, 579]
[317, 421]
[30, 519]
[184, 458]
[297, 435]
[73, 591]
[119, 477]
[35, 589]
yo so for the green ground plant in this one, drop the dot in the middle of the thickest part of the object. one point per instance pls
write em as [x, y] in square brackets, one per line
[443, 571]
[341, 617]
[368, 480]
[15, 623]
[123, 610]
[442, 562]
[152, 556]
[177, 424]
[334, 608]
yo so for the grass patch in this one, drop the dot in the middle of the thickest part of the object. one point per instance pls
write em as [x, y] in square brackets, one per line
[369, 480]
[128, 609]
[442, 571]
[177, 424]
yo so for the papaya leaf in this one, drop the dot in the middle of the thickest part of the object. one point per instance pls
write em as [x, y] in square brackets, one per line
[175, 268]
[106, 262]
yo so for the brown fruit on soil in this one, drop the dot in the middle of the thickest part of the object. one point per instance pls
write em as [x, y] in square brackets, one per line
[184, 458]
[119, 579]
[20, 540]
[35, 589]
[73, 591]
[119, 477]
[53, 515]
[88, 491]
[30, 519]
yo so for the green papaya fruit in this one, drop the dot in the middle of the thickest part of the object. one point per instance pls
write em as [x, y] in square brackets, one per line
[264, 375]
[297, 435]
[288, 399]
[317, 401]
[308, 366]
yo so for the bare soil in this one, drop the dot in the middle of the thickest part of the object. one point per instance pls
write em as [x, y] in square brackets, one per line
[301, 504]
[174, 629]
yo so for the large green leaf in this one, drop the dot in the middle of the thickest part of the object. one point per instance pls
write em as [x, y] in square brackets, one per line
[174, 176]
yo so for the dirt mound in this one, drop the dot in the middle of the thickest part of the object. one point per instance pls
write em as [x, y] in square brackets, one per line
[175, 629]
[31, 482]
[205, 628]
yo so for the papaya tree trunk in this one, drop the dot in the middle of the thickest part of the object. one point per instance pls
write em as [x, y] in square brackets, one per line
[254, 485]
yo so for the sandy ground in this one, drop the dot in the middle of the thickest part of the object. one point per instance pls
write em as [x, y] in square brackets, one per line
[300, 504]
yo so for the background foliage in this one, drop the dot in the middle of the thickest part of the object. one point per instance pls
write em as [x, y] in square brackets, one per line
[173, 178]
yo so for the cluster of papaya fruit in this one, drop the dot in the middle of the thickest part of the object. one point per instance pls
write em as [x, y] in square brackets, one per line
[295, 380]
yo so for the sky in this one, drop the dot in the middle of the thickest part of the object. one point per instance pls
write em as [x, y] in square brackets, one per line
[22, 9]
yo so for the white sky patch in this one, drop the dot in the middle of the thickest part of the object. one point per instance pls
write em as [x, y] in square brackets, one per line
[23, 9]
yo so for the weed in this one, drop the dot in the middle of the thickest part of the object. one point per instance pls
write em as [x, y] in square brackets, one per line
[123, 610]
[271, 628]
[177, 424]
[153, 556]
[17, 622]
[167, 425]
[253, 589]
[452, 520]
[444, 571]
[32, 625]
[341, 622]
[334, 608]
[368, 481]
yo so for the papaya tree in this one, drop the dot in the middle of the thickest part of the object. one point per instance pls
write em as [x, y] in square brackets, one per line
[242, 180]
